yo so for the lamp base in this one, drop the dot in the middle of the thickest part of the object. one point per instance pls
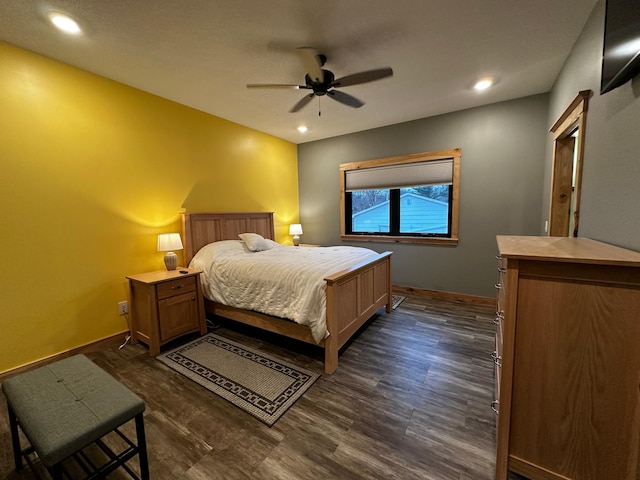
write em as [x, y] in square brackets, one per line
[296, 240]
[171, 260]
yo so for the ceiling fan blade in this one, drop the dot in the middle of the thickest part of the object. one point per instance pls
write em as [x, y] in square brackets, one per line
[363, 77]
[345, 98]
[312, 63]
[274, 85]
[305, 100]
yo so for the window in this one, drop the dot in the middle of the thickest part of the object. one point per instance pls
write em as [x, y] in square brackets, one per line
[412, 199]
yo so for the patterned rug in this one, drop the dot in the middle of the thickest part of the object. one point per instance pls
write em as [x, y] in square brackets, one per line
[257, 383]
[396, 300]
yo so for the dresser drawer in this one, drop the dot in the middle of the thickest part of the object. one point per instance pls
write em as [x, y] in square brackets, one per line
[176, 287]
[496, 355]
[500, 294]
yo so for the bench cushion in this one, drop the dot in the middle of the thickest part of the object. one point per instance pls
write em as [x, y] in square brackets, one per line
[67, 405]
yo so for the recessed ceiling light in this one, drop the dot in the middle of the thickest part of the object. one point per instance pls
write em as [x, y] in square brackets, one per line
[302, 129]
[64, 23]
[483, 84]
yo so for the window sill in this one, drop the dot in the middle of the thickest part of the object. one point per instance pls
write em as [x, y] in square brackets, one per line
[390, 239]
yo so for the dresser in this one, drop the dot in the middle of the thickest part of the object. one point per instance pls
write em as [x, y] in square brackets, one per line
[165, 305]
[567, 359]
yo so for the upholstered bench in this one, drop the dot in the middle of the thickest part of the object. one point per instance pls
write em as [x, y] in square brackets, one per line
[68, 405]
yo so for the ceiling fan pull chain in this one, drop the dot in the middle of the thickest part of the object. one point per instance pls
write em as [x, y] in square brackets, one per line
[319, 112]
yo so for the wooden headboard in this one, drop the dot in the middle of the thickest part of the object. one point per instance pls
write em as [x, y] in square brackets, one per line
[199, 229]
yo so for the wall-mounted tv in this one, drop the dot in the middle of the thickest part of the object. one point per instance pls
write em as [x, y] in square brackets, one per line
[621, 53]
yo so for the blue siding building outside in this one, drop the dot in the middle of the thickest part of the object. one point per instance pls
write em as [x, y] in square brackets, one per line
[417, 214]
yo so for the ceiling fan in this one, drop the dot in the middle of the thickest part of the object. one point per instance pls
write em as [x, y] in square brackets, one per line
[323, 82]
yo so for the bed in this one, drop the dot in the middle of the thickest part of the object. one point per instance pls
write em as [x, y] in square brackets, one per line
[353, 294]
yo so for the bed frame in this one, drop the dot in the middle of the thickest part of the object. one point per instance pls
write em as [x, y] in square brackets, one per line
[353, 294]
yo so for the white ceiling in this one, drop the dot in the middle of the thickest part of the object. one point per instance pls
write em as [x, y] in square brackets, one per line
[202, 53]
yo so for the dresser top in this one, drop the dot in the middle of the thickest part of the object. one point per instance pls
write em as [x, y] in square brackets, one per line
[565, 249]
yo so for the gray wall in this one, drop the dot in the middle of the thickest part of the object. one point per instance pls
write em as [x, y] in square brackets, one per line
[501, 176]
[611, 175]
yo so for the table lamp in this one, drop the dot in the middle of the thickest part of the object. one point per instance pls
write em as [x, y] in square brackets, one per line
[167, 242]
[295, 229]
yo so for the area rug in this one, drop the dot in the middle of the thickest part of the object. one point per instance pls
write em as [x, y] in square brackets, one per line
[259, 384]
[396, 300]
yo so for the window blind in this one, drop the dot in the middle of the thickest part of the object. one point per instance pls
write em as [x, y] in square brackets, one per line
[403, 175]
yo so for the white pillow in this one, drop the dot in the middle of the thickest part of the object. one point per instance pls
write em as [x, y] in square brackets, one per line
[256, 243]
[203, 257]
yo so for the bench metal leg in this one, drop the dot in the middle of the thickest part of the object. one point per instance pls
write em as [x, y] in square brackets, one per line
[15, 438]
[142, 447]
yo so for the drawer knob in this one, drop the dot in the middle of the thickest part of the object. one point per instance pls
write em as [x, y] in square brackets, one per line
[177, 287]
[501, 270]
[498, 286]
[494, 406]
[497, 359]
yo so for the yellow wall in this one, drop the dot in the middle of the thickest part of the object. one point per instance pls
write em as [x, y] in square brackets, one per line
[90, 172]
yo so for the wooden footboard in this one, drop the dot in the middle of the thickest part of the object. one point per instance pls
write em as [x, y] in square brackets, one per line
[353, 296]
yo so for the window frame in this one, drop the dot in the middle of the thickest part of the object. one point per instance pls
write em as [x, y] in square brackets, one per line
[455, 154]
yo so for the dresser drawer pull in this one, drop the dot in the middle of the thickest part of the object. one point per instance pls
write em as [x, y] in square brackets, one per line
[177, 287]
[499, 317]
[498, 257]
[498, 286]
[494, 406]
[497, 359]
[501, 270]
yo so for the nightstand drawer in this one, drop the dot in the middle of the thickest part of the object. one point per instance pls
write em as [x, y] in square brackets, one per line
[176, 287]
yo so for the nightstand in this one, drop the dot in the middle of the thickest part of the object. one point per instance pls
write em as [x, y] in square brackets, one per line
[165, 305]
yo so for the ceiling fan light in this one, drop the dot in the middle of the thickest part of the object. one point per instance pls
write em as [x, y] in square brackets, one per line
[302, 129]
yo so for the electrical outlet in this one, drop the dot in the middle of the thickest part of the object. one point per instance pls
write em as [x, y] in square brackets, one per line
[123, 308]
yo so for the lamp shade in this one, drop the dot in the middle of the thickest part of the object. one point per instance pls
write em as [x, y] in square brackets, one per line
[295, 229]
[169, 241]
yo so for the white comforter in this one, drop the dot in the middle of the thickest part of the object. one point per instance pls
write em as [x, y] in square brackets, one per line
[286, 282]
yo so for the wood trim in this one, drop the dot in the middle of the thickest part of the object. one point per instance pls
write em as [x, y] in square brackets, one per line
[440, 295]
[111, 342]
[403, 239]
[454, 153]
[569, 117]
[530, 470]
[573, 118]
[411, 158]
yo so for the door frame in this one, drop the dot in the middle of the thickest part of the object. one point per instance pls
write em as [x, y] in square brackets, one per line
[564, 194]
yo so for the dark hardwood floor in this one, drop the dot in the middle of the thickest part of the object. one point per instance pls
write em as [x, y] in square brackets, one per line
[410, 400]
